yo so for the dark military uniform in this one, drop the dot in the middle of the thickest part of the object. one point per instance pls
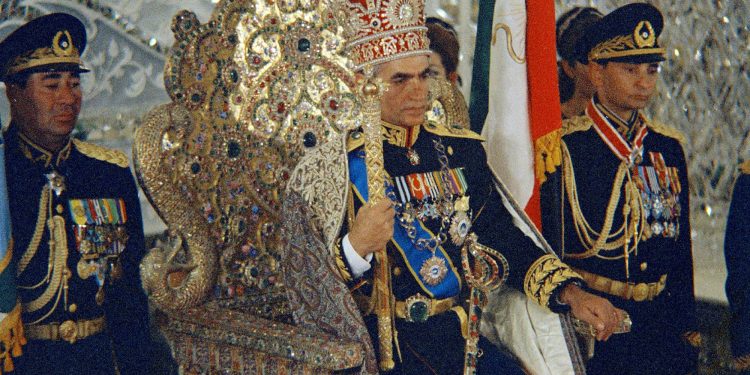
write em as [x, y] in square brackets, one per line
[618, 210]
[84, 309]
[736, 252]
[631, 192]
[76, 225]
[433, 344]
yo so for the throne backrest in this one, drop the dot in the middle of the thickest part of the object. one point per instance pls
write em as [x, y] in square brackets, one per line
[253, 90]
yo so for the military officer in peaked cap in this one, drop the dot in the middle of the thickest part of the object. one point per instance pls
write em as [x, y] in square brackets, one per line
[617, 209]
[76, 219]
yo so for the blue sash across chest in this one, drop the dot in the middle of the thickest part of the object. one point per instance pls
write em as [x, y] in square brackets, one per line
[451, 285]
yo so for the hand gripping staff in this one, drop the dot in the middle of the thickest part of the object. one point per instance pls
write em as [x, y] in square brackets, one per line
[371, 90]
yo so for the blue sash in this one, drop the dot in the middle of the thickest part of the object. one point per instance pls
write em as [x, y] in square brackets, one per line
[451, 285]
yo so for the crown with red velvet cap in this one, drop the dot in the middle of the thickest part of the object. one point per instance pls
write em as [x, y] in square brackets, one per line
[383, 30]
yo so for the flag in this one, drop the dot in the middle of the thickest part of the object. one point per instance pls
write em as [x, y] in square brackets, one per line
[11, 328]
[514, 98]
[516, 106]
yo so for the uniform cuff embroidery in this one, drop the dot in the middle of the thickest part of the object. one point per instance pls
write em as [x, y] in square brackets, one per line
[544, 276]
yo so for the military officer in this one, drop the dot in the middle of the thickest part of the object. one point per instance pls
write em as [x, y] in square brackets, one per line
[441, 195]
[737, 257]
[75, 214]
[617, 209]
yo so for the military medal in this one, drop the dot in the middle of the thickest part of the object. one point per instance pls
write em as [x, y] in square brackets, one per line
[413, 156]
[99, 296]
[433, 270]
[460, 226]
[56, 182]
[85, 268]
[116, 272]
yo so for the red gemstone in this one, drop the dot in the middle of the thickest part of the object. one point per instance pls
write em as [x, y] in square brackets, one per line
[334, 105]
[281, 108]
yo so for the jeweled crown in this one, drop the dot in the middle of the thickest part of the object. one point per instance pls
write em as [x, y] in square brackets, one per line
[383, 30]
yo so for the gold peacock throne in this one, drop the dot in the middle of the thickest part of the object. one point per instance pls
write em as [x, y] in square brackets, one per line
[253, 90]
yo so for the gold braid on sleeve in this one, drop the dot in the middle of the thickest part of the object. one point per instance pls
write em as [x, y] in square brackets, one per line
[341, 263]
[741, 363]
[544, 276]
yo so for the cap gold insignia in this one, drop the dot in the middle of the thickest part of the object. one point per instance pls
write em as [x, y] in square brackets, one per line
[644, 35]
[62, 51]
[62, 44]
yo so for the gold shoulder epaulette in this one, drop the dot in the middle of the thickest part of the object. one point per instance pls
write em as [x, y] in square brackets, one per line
[102, 153]
[355, 140]
[745, 167]
[667, 130]
[451, 131]
[576, 124]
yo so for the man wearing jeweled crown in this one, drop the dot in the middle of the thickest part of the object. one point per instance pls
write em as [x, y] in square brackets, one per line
[440, 209]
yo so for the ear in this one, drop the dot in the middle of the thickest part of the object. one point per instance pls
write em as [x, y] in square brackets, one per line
[14, 93]
[596, 74]
[568, 69]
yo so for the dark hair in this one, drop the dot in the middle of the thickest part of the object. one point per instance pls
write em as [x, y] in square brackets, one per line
[444, 41]
[569, 28]
[18, 79]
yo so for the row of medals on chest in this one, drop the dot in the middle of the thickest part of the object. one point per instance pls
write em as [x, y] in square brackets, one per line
[99, 245]
[660, 201]
[452, 211]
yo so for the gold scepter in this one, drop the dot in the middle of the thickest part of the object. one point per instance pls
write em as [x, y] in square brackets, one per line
[371, 92]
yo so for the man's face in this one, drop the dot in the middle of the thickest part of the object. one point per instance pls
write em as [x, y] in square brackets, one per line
[436, 64]
[580, 74]
[405, 101]
[624, 87]
[47, 107]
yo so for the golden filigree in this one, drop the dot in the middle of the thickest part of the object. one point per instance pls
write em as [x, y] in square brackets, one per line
[644, 35]
[255, 90]
[544, 276]
[622, 46]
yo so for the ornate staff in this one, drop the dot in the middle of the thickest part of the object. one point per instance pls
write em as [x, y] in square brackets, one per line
[371, 91]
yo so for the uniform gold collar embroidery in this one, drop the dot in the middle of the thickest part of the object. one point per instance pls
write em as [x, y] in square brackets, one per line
[38, 154]
[400, 136]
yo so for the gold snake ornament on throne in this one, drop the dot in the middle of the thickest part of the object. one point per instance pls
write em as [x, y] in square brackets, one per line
[253, 91]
